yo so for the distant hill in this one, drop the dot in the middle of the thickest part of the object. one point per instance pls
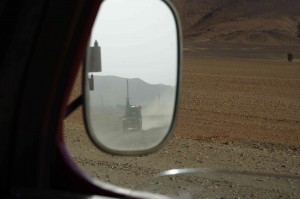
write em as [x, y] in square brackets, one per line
[112, 90]
[269, 21]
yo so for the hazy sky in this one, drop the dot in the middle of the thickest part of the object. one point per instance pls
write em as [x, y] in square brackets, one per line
[138, 38]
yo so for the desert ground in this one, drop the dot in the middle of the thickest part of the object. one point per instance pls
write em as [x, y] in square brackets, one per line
[239, 110]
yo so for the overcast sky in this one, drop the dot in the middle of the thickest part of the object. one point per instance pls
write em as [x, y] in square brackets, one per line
[138, 39]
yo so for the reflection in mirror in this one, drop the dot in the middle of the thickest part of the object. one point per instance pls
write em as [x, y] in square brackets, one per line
[131, 66]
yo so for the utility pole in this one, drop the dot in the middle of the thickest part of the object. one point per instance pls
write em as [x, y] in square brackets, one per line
[101, 103]
[159, 99]
[127, 99]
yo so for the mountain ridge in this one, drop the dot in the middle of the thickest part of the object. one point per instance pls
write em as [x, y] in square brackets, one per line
[263, 21]
[111, 90]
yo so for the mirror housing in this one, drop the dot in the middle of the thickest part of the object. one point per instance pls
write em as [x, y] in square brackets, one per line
[125, 113]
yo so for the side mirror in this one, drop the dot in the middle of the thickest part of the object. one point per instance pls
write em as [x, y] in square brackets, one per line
[131, 76]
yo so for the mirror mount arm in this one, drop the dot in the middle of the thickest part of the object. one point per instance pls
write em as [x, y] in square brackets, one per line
[74, 105]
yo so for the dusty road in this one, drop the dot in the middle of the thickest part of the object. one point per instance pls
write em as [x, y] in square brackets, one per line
[235, 113]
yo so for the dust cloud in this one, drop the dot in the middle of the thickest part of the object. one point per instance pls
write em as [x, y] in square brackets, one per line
[157, 115]
[107, 124]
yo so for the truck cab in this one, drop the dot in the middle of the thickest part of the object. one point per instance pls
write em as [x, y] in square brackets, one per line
[132, 119]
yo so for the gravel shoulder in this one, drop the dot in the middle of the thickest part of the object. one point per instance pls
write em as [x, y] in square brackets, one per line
[182, 152]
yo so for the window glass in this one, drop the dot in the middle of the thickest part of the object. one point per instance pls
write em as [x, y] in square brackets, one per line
[239, 118]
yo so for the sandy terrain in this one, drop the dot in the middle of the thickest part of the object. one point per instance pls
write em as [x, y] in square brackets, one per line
[236, 112]
[241, 99]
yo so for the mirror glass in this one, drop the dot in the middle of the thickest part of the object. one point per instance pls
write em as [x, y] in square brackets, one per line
[131, 75]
